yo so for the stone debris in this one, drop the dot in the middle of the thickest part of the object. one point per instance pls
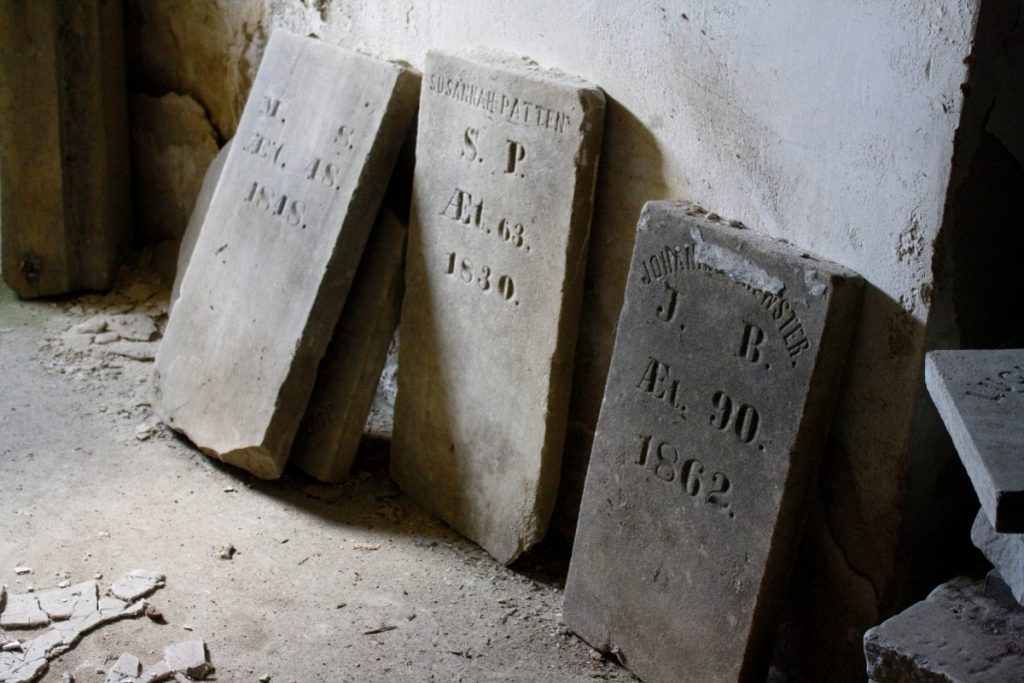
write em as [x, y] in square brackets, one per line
[188, 658]
[128, 667]
[139, 583]
[965, 630]
[227, 552]
[71, 612]
[22, 611]
[22, 570]
[1004, 551]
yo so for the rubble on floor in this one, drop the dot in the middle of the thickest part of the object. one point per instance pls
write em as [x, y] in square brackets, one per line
[71, 612]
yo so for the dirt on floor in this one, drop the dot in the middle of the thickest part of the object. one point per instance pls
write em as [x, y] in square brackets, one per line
[289, 579]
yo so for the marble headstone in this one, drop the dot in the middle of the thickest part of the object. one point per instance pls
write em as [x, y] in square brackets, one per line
[277, 253]
[65, 197]
[980, 397]
[349, 372]
[506, 160]
[726, 363]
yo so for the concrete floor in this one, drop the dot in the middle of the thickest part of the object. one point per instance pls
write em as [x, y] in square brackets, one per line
[317, 570]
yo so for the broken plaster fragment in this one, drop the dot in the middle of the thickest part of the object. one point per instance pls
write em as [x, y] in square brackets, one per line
[137, 584]
[65, 602]
[127, 666]
[188, 658]
[22, 611]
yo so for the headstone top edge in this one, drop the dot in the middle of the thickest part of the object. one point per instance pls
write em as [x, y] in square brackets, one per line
[701, 218]
[519, 65]
[398, 67]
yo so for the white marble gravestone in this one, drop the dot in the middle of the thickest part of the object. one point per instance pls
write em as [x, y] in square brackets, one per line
[281, 242]
[506, 160]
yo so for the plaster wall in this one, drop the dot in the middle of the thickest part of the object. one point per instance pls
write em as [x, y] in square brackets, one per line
[827, 123]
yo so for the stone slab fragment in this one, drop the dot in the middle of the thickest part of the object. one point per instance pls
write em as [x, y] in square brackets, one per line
[726, 363]
[188, 658]
[1004, 551]
[506, 158]
[349, 373]
[276, 255]
[963, 632]
[980, 397]
[65, 200]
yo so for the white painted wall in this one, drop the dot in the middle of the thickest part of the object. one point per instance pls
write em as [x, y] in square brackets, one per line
[827, 123]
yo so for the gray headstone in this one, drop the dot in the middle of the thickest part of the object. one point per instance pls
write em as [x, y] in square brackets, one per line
[195, 221]
[65, 199]
[506, 159]
[980, 396]
[961, 632]
[349, 373]
[1004, 551]
[277, 252]
[718, 400]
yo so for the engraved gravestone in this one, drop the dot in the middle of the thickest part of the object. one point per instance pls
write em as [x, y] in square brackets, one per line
[980, 397]
[506, 160]
[719, 396]
[65, 199]
[350, 370]
[275, 257]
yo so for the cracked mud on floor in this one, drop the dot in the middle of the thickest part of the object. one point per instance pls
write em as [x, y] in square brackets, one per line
[285, 581]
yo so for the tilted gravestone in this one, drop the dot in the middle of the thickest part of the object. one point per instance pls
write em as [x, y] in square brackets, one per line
[718, 400]
[276, 255]
[351, 368]
[980, 397]
[65, 200]
[506, 160]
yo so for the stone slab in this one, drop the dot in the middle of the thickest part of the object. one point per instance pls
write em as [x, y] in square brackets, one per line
[349, 373]
[726, 363]
[195, 221]
[980, 397]
[276, 255]
[506, 159]
[65, 200]
[1004, 551]
[963, 632]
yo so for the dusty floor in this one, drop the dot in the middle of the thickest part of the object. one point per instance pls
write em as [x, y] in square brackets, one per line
[342, 583]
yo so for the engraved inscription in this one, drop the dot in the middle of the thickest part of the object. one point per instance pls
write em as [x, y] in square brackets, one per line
[664, 462]
[467, 209]
[750, 345]
[471, 145]
[516, 155]
[271, 108]
[326, 173]
[657, 383]
[1000, 386]
[504, 105]
[462, 208]
[484, 278]
[277, 205]
[742, 420]
[263, 147]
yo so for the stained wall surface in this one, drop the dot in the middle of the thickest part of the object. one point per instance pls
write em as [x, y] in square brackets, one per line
[829, 124]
